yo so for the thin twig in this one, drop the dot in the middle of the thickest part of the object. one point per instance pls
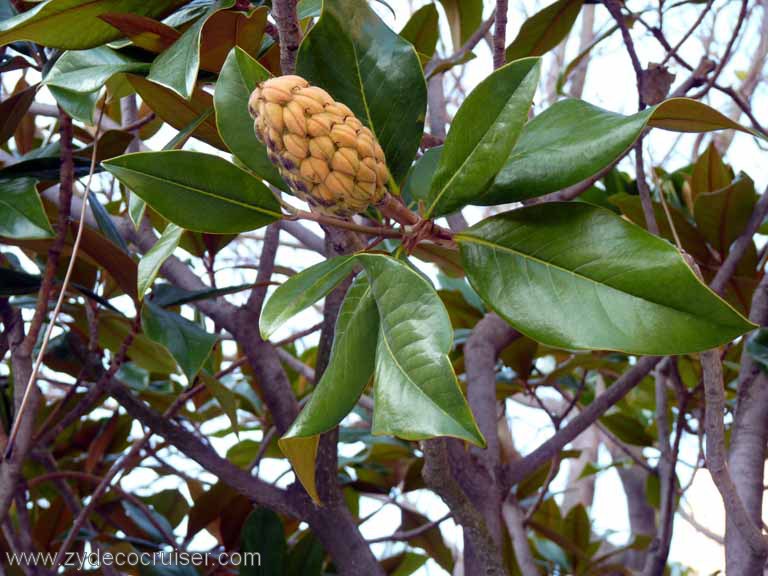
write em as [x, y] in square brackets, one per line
[688, 34]
[405, 535]
[500, 34]
[289, 33]
[62, 294]
[457, 57]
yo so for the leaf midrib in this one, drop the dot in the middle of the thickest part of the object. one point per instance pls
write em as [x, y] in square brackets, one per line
[474, 150]
[493, 246]
[197, 190]
[410, 380]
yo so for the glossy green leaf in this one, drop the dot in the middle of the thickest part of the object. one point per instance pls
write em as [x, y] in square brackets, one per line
[237, 80]
[723, 215]
[150, 263]
[416, 392]
[75, 24]
[349, 370]
[263, 534]
[464, 18]
[197, 191]
[301, 291]
[353, 55]
[13, 109]
[574, 276]
[422, 30]
[89, 70]
[187, 342]
[176, 68]
[350, 367]
[544, 30]
[21, 211]
[572, 140]
[482, 135]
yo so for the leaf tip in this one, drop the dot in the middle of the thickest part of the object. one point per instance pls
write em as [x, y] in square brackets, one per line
[302, 454]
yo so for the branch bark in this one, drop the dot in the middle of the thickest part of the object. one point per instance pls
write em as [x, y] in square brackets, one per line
[489, 337]
[289, 33]
[439, 477]
[736, 513]
[749, 437]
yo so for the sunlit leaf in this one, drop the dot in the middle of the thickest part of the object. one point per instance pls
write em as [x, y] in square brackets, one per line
[572, 140]
[176, 68]
[349, 370]
[301, 291]
[482, 135]
[183, 186]
[574, 276]
[416, 392]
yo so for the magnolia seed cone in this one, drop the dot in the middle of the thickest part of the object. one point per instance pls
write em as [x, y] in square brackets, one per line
[322, 150]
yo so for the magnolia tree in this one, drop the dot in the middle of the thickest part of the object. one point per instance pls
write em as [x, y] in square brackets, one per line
[244, 314]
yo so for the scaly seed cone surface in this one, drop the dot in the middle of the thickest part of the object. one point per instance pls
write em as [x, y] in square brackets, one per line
[322, 150]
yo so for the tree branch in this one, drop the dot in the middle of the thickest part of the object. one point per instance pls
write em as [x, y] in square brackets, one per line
[438, 475]
[522, 468]
[714, 397]
[284, 12]
[259, 491]
[500, 34]
[437, 64]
